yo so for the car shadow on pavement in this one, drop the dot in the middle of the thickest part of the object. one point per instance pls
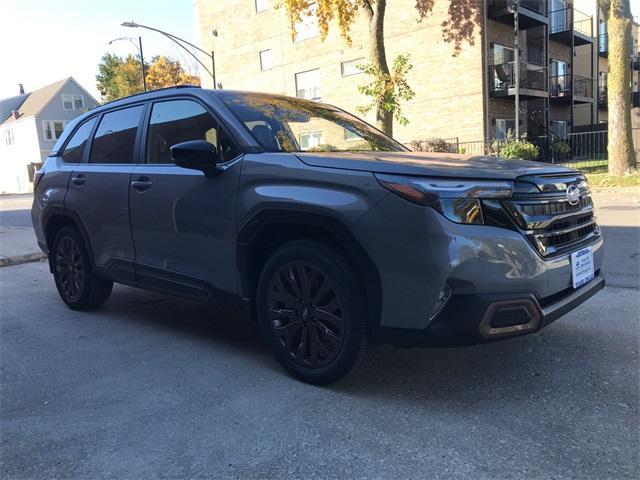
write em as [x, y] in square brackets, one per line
[538, 365]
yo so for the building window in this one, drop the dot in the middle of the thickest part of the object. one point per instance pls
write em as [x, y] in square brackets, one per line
[503, 126]
[559, 127]
[308, 84]
[8, 137]
[310, 140]
[72, 102]
[349, 136]
[307, 27]
[261, 5]
[53, 129]
[351, 67]
[266, 60]
[502, 54]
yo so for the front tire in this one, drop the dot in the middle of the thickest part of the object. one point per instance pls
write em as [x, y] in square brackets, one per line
[77, 285]
[312, 312]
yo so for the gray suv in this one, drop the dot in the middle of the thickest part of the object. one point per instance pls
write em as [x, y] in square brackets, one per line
[331, 235]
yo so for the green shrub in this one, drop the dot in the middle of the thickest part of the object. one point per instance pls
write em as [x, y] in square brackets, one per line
[513, 147]
[560, 148]
[432, 145]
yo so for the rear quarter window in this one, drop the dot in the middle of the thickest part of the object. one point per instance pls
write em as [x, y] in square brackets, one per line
[73, 152]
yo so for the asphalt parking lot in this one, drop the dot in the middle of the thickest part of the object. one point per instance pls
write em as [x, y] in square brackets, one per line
[152, 386]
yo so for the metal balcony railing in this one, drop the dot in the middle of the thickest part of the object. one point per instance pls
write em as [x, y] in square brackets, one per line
[538, 6]
[602, 96]
[582, 86]
[503, 76]
[566, 18]
[565, 85]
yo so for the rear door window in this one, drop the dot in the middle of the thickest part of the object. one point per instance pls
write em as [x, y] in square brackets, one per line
[76, 145]
[115, 137]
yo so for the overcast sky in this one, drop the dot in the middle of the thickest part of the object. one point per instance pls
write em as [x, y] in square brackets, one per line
[46, 40]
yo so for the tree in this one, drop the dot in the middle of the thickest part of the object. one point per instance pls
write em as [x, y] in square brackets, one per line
[118, 77]
[617, 14]
[165, 72]
[464, 16]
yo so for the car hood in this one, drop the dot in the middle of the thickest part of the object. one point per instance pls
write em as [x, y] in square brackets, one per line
[431, 164]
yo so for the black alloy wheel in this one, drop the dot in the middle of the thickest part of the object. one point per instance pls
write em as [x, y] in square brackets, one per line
[306, 314]
[77, 284]
[312, 311]
[70, 269]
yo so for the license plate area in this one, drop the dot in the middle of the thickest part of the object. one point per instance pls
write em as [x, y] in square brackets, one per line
[582, 270]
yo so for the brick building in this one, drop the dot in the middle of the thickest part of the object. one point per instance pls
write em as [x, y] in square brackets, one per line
[469, 95]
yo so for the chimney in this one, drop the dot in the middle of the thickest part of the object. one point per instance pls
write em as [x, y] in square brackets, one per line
[15, 114]
[21, 87]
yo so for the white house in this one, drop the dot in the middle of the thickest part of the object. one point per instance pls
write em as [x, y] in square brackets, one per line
[30, 124]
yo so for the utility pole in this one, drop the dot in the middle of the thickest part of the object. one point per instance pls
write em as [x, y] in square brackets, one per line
[516, 61]
[213, 68]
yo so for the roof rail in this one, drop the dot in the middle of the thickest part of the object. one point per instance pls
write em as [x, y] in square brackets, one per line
[151, 91]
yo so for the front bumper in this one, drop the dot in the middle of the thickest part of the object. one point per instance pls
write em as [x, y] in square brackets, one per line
[473, 319]
[419, 254]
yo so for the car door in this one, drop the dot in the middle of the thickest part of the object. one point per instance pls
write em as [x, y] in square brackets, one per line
[183, 222]
[98, 190]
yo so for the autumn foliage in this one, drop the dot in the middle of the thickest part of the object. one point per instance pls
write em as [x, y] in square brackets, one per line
[120, 77]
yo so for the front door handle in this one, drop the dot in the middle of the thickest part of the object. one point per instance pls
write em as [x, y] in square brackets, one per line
[79, 179]
[141, 184]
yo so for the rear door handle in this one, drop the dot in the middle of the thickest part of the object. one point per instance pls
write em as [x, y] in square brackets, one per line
[141, 184]
[78, 179]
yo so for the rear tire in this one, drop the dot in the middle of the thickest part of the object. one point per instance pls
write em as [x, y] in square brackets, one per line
[77, 285]
[312, 312]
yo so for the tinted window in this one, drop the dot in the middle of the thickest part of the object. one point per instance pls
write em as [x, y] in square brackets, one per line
[76, 145]
[116, 136]
[179, 121]
[285, 124]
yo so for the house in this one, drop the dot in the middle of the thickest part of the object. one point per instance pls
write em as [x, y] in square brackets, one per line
[470, 94]
[30, 124]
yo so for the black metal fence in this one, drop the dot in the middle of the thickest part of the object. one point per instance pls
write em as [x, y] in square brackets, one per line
[582, 150]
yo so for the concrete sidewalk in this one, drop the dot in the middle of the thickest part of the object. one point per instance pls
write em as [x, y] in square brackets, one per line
[17, 239]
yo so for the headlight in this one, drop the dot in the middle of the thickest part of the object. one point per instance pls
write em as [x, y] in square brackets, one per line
[458, 200]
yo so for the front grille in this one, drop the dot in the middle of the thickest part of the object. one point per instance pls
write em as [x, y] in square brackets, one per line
[550, 223]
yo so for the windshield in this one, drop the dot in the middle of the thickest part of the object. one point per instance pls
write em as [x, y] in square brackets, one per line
[285, 124]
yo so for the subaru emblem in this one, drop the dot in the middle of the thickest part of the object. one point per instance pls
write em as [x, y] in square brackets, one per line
[573, 195]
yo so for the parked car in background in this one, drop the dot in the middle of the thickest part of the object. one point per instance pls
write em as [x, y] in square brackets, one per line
[331, 235]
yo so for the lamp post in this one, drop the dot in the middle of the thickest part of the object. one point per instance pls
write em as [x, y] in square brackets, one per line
[139, 47]
[177, 41]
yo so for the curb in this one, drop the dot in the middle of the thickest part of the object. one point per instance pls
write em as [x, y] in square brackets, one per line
[20, 259]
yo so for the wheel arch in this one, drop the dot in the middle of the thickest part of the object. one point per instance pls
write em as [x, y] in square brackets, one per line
[57, 218]
[269, 229]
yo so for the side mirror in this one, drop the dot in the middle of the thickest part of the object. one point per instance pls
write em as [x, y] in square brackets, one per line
[196, 155]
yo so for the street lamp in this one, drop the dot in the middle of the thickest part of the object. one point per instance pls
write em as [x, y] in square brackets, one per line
[177, 41]
[139, 47]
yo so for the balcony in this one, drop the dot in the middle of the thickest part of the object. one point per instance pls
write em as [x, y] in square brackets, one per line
[603, 44]
[531, 13]
[602, 96]
[571, 27]
[565, 88]
[533, 80]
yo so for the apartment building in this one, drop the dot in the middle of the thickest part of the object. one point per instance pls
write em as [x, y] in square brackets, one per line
[469, 94]
[599, 59]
